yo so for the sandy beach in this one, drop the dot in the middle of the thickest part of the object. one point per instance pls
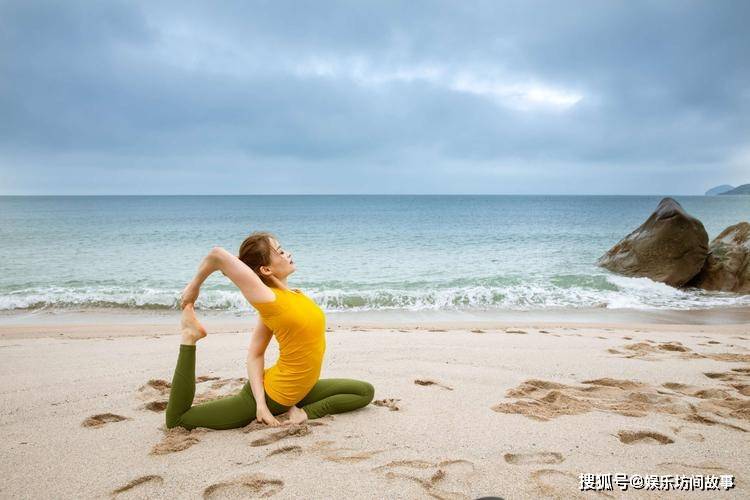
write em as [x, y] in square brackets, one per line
[515, 410]
[525, 225]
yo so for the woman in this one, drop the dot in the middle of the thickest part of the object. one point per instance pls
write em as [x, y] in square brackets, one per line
[292, 384]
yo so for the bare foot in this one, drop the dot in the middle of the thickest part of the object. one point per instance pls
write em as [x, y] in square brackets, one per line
[296, 415]
[192, 330]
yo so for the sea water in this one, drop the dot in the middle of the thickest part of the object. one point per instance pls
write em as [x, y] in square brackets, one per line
[352, 253]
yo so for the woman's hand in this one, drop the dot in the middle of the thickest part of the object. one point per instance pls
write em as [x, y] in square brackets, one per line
[263, 415]
[206, 268]
[189, 294]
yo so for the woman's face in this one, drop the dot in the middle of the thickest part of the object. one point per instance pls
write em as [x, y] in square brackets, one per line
[282, 264]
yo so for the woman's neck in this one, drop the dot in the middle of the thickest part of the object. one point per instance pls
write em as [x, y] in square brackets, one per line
[279, 283]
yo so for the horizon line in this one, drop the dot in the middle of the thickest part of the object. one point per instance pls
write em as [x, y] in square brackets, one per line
[351, 194]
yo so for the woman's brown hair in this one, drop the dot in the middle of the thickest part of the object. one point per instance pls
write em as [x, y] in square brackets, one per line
[255, 252]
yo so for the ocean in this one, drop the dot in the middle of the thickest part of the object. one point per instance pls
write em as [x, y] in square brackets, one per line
[352, 252]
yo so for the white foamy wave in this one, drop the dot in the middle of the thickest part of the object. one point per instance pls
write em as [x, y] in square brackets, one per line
[116, 297]
[620, 293]
[644, 293]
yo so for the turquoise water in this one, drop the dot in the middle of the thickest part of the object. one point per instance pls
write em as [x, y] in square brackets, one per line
[352, 252]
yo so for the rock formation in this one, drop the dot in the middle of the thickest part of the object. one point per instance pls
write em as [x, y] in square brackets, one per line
[671, 247]
[727, 267]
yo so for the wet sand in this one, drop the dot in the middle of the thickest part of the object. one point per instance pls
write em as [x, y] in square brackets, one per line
[461, 410]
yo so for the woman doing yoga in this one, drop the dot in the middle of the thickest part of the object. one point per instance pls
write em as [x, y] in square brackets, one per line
[292, 384]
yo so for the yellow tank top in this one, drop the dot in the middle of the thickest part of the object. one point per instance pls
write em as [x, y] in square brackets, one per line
[299, 326]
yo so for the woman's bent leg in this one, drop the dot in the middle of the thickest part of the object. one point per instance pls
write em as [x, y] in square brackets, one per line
[226, 413]
[336, 395]
[229, 412]
[183, 385]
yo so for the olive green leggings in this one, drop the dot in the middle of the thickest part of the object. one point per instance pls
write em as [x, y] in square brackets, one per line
[332, 395]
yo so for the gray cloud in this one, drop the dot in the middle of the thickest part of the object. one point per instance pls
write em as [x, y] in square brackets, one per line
[516, 97]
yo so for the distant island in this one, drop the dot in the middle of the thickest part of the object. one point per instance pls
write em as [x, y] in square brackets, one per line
[719, 190]
[727, 189]
[743, 189]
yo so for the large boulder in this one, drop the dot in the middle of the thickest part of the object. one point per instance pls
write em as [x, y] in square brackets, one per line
[727, 267]
[671, 247]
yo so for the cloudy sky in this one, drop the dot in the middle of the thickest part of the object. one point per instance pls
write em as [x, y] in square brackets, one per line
[586, 97]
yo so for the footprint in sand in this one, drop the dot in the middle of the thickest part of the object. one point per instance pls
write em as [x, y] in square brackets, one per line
[234, 382]
[698, 392]
[102, 419]
[477, 330]
[342, 455]
[153, 392]
[447, 479]
[643, 437]
[688, 434]
[387, 403]
[544, 400]
[737, 378]
[291, 430]
[143, 486]
[286, 450]
[177, 439]
[358, 456]
[249, 485]
[154, 388]
[513, 330]
[543, 457]
[431, 382]
[697, 418]
[654, 351]
[550, 333]
[673, 346]
[732, 357]
[557, 484]
[156, 406]
[733, 374]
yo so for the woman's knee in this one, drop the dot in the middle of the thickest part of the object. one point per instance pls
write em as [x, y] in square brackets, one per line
[172, 421]
[367, 391]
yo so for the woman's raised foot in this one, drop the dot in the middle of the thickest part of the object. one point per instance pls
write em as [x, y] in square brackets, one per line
[192, 330]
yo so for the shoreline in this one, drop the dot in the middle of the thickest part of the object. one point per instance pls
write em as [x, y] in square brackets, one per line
[106, 323]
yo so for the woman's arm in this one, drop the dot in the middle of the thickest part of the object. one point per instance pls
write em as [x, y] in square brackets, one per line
[258, 344]
[218, 259]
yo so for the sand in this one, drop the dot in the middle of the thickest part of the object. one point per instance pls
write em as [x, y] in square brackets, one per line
[461, 411]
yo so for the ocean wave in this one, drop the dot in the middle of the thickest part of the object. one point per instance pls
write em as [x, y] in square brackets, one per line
[559, 292]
